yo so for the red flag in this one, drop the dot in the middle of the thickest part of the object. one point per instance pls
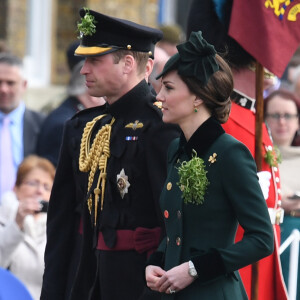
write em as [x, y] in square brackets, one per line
[268, 29]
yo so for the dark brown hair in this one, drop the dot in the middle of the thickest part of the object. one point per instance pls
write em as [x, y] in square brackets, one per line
[140, 57]
[285, 95]
[32, 162]
[216, 93]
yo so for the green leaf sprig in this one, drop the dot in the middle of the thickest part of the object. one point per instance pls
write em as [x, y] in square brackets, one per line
[192, 180]
[87, 25]
[273, 157]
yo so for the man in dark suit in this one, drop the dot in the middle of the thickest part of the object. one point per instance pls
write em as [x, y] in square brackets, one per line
[111, 170]
[19, 126]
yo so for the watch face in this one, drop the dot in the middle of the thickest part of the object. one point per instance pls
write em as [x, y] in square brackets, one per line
[193, 272]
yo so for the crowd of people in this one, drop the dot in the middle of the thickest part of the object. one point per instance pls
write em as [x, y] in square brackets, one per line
[123, 190]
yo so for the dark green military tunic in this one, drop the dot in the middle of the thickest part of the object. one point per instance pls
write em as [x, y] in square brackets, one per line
[205, 233]
[138, 145]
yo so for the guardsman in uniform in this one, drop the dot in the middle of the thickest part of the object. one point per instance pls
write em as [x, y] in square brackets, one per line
[111, 171]
[213, 23]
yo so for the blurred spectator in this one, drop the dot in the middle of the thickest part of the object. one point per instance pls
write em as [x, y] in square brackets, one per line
[282, 111]
[172, 36]
[287, 77]
[19, 126]
[296, 81]
[3, 46]
[160, 58]
[50, 137]
[23, 225]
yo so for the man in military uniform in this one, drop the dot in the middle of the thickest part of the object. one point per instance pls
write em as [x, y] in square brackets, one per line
[111, 170]
[213, 21]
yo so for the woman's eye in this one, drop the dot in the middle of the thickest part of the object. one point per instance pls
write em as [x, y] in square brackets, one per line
[168, 87]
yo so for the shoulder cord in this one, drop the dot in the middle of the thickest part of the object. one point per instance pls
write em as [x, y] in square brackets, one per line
[91, 158]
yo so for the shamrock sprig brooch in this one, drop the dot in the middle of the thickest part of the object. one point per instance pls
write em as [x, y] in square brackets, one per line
[87, 25]
[273, 156]
[192, 180]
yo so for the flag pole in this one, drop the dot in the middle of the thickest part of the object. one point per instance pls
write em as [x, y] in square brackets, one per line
[259, 115]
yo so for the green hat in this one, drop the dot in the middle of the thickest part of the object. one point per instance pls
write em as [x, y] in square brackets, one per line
[195, 58]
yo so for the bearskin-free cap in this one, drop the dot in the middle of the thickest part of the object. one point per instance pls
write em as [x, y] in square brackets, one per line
[195, 58]
[101, 34]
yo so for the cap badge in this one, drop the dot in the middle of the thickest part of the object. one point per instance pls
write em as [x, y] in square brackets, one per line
[135, 125]
[123, 183]
[87, 25]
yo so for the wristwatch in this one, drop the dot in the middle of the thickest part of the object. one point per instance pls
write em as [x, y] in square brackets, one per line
[192, 270]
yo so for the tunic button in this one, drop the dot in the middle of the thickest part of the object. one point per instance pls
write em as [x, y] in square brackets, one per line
[279, 191]
[277, 179]
[179, 214]
[166, 214]
[178, 241]
[168, 240]
[275, 169]
[169, 186]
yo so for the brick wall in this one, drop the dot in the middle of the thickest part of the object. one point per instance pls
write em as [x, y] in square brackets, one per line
[16, 21]
[141, 11]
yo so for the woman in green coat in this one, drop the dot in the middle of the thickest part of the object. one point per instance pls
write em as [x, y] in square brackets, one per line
[211, 185]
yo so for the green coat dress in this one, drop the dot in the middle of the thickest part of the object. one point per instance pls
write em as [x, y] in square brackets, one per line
[205, 233]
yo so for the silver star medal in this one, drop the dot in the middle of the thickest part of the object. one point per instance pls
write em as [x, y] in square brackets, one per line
[123, 183]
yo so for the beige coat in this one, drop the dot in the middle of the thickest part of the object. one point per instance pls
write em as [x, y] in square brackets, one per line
[22, 251]
[289, 170]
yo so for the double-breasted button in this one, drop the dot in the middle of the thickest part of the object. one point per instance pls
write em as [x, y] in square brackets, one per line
[178, 214]
[169, 186]
[178, 241]
[166, 214]
[277, 179]
[275, 169]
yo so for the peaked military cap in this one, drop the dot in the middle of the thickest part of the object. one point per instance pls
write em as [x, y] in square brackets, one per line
[101, 34]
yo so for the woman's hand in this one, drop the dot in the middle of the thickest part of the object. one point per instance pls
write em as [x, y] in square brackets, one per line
[153, 274]
[27, 206]
[175, 279]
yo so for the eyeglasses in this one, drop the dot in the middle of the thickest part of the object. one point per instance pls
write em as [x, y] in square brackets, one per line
[37, 184]
[286, 117]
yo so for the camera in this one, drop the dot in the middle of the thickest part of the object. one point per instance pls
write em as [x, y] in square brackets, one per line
[44, 206]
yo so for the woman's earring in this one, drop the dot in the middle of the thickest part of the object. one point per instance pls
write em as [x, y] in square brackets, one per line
[195, 110]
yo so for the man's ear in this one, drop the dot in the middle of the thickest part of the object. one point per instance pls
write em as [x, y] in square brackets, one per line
[149, 68]
[129, 63]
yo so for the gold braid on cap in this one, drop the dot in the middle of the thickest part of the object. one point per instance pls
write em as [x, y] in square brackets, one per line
[91, 158]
